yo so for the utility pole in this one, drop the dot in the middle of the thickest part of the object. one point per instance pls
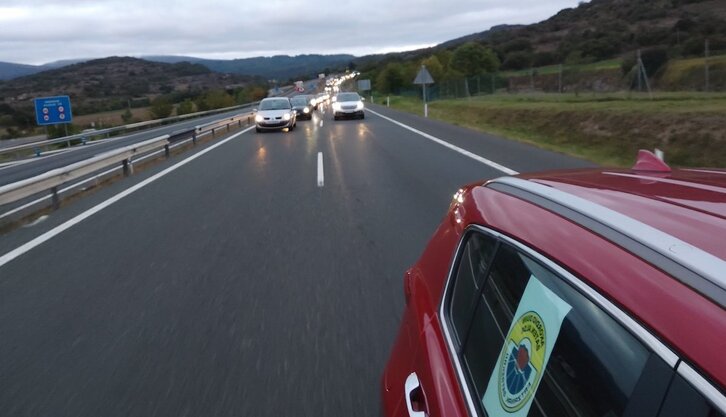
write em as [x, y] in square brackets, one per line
[707, 52]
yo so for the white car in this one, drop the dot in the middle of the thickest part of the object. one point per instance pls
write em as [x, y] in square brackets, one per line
[348, 105]
[275, 113]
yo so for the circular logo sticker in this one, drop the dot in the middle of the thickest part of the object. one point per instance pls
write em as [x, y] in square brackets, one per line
[522, 361]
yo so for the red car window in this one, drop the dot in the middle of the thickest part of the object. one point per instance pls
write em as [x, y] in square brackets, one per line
[594, 367]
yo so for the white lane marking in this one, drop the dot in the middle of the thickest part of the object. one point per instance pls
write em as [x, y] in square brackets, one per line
[321, 173]
[93, 210]
[93, 178]
[441, 142]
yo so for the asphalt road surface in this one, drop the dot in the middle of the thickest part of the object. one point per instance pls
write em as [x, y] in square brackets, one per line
[242, 282]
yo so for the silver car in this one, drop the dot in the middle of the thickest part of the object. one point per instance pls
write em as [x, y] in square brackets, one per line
[275, 113]
[348, 105]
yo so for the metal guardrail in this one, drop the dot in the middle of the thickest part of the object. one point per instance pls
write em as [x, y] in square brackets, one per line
[85, 136]
[51, 180]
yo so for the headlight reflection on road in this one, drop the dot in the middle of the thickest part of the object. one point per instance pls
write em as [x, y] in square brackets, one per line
[261, 154]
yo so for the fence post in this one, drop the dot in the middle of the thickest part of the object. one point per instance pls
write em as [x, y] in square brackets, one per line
[705, 61]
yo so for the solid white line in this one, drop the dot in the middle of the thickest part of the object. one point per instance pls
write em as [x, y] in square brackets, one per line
[93, 210]
[321, 173]
[464, 152]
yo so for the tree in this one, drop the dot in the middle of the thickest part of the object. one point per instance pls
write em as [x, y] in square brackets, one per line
[185, 107]
[444, 57]
[517, 60]
[472, 59]
[127, 116]
[216, 99]
[435, 68]
[390, 80]
[161, 108]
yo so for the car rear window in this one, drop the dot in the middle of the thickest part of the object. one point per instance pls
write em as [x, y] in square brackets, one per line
[587, 364]
[275, 104]
[348, 97]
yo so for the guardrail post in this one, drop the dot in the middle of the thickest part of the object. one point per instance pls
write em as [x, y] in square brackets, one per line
[228, 127]
[214, 131]
[166, 150]
[37, 151]
[249, 120]
[194, 137]
[239, 123]
[55, 200]
[126, 167]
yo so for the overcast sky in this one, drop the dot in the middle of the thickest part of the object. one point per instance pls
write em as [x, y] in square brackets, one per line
[36, 32]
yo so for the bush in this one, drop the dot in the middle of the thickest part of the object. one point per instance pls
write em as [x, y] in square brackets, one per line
[161, 108]
[185, 107]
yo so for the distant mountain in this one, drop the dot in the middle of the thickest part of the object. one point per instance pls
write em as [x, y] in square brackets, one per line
[478, 37]
[281, 67]
[102, 84]
[593, 31]
[9, 70]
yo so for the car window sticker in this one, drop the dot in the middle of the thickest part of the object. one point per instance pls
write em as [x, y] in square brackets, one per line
[526, 351]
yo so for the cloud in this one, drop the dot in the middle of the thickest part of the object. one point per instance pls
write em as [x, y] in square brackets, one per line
[42, 31]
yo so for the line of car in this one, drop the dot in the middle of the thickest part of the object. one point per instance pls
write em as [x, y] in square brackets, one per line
[278, 113]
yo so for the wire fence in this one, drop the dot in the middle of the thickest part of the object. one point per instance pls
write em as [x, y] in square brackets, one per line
[696, 74]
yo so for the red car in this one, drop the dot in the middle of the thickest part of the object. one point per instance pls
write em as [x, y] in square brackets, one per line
[580, 293]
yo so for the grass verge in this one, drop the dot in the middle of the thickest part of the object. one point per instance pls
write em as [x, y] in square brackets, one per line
[607, 129]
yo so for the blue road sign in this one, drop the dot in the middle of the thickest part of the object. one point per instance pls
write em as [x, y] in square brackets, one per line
[53, 110]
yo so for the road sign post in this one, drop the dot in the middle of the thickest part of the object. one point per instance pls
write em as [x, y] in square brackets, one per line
[424, 77]
[53, 110]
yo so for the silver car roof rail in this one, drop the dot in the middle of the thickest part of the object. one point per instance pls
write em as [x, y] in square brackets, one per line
[694, 267]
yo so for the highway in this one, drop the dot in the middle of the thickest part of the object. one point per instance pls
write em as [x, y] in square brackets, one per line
[257, 275]
[38, 165]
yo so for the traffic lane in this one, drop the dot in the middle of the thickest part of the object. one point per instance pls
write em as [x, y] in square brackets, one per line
[519, 156]
[97, 194]
[225, 297]
[151, 307]
[22, 171]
